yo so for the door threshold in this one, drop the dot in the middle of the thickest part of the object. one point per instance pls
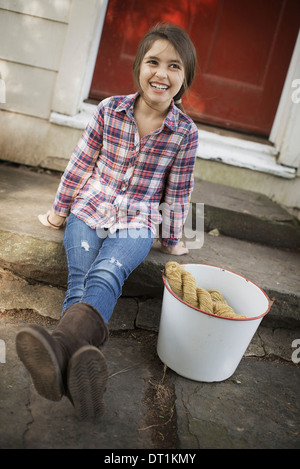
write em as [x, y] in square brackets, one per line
[233, 133]
[241, 150]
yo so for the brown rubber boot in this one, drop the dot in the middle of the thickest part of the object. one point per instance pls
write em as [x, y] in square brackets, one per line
[46, 356]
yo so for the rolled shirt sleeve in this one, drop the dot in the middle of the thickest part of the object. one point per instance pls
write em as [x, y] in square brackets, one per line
[179, 186]
[81, 164]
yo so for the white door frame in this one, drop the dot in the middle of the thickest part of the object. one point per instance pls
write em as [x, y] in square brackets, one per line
[285, 131]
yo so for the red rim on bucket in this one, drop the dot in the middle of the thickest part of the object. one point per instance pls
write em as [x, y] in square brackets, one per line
[270, 302]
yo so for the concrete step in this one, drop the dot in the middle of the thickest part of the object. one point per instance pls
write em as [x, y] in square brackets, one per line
[36, 253]
[246, 215]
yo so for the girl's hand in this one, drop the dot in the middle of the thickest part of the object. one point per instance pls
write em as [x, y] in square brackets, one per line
[52, 220]
[177, 250]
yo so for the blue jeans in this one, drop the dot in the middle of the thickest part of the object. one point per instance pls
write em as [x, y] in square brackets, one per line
[99, 262]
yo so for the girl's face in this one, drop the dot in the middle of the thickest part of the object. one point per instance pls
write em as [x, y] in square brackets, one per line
[161, 74]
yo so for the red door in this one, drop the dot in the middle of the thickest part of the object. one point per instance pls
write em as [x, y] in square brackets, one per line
[244, 49]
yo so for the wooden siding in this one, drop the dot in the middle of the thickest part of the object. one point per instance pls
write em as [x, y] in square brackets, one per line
[32, 36]
[56, 10]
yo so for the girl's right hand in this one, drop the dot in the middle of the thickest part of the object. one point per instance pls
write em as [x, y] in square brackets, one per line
[51, 220]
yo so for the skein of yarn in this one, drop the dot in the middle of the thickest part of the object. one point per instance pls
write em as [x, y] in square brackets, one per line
[183, 284]
[205, 301]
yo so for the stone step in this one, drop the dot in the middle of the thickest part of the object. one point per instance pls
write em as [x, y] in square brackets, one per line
[233, 212]
[31, 251]
[246, 215]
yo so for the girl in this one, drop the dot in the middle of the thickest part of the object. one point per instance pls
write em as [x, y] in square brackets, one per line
[137, 152]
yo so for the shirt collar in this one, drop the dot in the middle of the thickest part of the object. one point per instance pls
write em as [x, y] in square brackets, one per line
[171, 120]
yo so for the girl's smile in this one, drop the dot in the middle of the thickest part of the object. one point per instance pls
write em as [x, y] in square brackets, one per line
[161, 75]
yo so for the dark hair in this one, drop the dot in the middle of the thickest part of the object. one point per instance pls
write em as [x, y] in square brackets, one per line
[181, 43]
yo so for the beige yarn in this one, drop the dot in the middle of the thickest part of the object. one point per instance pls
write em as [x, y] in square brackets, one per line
[189, 288]
[183, 284]
[216, 296]
[173, 271]
[205, 302]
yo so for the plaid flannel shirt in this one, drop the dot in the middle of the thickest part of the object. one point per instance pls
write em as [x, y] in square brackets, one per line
[116, 180]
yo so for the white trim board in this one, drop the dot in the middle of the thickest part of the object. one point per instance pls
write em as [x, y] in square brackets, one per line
[242, 153]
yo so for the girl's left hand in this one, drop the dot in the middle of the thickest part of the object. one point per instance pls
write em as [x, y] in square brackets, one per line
[52, 220]
[177, 250]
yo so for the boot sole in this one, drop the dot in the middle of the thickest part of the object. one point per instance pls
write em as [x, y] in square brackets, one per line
[39, 359]
[87, 378]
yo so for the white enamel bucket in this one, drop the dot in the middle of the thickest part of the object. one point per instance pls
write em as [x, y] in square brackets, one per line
[202, 346]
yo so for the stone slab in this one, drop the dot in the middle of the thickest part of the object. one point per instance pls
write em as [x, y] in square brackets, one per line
[257, 408]
[27, 421]
[16, 293]
[246, 215]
